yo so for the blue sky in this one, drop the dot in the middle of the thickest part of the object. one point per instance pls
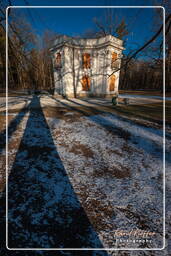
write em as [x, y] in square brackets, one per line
[141, 21]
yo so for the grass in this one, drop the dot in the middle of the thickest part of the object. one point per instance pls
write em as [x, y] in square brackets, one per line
[13, 94]
[152, 112]
[144, 92]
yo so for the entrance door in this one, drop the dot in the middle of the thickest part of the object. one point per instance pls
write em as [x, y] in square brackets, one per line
[85, 83]
[112, 81]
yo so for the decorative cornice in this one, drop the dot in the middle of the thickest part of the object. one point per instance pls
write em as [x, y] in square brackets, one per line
[80, 43]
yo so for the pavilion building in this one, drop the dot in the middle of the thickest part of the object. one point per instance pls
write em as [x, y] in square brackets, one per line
[86, 67]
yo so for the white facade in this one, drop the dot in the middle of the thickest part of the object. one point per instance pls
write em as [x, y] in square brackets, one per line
[83, 67]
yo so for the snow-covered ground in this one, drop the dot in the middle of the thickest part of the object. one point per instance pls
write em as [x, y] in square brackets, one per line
[116, 170]
[101, 172]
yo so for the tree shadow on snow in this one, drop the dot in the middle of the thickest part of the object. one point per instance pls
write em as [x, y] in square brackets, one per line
[43, 209]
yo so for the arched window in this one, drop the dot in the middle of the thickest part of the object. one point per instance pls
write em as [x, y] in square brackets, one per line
[86, 60]
[85, 83]
[114, 61]
[112, 81]
[58, 60]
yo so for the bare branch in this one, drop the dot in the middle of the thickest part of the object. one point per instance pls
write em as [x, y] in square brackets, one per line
[145, 45]
[100, 26]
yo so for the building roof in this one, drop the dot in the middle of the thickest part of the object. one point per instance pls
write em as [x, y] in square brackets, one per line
[87, 42]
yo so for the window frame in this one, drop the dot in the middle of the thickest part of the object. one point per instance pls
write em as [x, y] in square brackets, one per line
[114, 60]
[86, 63]
[58, 60]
